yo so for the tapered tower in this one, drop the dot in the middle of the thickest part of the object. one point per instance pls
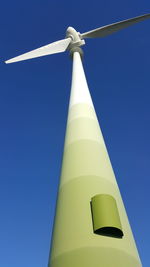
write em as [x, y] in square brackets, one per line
[91, 227]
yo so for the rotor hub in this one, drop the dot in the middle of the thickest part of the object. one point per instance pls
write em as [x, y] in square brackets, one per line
[76, 40]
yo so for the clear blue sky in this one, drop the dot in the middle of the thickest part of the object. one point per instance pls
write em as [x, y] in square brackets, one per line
[34, 98]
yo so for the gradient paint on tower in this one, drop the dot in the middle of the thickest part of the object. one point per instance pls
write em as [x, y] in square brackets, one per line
[87, 172]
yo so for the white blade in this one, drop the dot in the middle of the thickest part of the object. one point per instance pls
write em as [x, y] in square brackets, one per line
[53, 48]
[111, 28]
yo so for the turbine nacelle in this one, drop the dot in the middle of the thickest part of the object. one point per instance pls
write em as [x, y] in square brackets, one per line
[75, 36]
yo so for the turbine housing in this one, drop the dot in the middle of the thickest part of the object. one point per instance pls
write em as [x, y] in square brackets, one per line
[76, 40]
[75, 43]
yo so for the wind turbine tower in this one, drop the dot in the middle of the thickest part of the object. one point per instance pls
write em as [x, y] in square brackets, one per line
[91, 228]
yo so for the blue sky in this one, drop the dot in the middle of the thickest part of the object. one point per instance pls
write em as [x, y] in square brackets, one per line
[34, 99]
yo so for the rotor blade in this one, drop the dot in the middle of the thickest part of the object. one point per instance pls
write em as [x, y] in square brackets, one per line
[111, 28]
[56, 47]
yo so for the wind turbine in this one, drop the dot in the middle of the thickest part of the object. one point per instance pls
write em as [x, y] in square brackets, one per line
[91, 227]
